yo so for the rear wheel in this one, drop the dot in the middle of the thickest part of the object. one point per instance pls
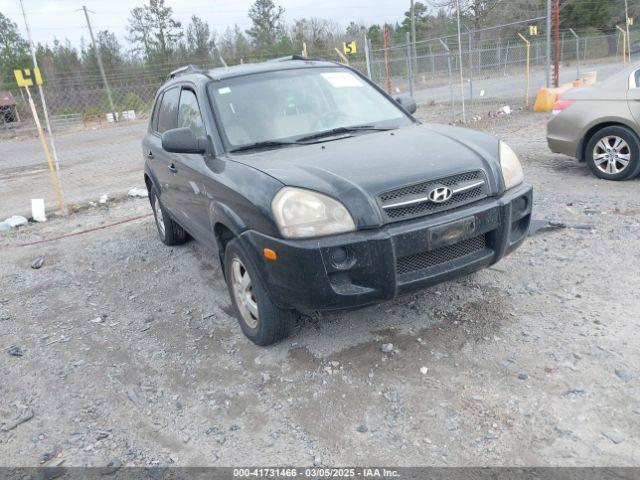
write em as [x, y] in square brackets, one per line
[168, 230]
[613, 153]
[262, 321]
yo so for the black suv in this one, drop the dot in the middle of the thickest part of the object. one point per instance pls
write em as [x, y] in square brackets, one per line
[318, 191]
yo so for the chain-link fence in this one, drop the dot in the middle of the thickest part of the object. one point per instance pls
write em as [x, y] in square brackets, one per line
[477, 77]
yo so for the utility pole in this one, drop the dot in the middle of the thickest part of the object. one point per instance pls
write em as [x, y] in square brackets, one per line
[32, 47]
[626, 20]
[556, 43]
[96, 48]
[547, 66]
[413, 33]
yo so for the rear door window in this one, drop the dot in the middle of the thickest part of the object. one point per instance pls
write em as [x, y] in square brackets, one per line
[168, 115]
[189, 113]
[154, 116]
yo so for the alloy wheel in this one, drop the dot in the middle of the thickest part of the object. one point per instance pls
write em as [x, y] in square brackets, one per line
[159, 217]
[244, 294]
[611, 154]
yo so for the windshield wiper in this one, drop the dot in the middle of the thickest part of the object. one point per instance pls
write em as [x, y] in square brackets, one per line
[314, 136]
[265, 144]
[340, 130]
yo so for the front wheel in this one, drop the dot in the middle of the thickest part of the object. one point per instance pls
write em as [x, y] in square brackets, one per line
[613, 153]
[263, 322]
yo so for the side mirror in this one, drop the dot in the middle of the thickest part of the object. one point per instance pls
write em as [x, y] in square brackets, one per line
[182, 140]
[408, 103]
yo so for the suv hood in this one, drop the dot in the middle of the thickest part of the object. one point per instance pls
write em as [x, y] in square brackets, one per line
[355, 170]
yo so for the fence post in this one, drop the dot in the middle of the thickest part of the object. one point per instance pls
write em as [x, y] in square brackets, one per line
[367, 55]
[528, 48]
[409, 63]
[386, 58]
[433, 62]
[577, 53]
[453, 112]
[470, 67]
[624, 44]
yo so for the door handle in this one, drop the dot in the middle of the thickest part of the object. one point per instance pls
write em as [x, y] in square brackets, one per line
[172, 168]
[149, 154]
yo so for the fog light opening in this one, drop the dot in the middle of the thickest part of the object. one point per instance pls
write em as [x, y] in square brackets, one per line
[341, 258]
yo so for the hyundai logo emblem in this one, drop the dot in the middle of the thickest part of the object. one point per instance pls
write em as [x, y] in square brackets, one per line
[440, 194]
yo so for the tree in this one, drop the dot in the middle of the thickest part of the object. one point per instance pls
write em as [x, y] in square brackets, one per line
[317, 33]
[165, 30]
[267, 21]
[200, 42]
[153, 30]
[110, 53]
[140, 31]
[600, 15]
[422, 19]
[14, 50]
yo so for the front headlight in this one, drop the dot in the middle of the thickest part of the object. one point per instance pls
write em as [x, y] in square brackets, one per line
[303, 213]
[511, 168]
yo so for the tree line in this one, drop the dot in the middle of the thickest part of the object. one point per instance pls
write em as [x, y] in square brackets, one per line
[157, 42]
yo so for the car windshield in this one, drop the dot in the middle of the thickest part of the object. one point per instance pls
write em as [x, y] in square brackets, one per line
[287, 105]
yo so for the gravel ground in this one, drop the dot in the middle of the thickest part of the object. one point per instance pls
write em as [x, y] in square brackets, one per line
[129, 352]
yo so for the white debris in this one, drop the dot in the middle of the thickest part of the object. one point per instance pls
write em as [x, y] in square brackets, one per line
[424, 370]
[103, 199]
[37, 210]
[138, 192]
[505, 110]
[387, 347]
[16, 221]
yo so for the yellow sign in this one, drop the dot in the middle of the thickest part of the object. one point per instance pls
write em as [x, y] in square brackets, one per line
[533, 30]
[629, 21]
[27, 77]
[349, 47]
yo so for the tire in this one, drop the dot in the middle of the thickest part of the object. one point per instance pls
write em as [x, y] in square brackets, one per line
[262, 321]
[607, 150]
[169, 231]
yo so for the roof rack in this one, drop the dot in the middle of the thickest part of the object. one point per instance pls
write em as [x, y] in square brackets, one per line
[293, 57]
[183, 71]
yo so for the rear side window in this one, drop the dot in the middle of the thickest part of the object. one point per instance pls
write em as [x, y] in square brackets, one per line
[156, 110]
[168, 115]
[637, 78]
[189, 113]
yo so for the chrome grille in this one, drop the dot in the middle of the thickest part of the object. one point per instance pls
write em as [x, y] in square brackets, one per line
[424, 260]
[472, 187]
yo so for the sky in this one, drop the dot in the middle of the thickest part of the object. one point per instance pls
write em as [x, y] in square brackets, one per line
[63, 19]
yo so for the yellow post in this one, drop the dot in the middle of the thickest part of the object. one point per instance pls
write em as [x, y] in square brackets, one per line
[526, 92]
[624, 44]
[47, 153]
[342, 57]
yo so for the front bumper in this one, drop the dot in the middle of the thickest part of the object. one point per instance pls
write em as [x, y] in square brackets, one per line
[368, 266]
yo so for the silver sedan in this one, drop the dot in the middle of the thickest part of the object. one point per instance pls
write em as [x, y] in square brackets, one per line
[600, 124]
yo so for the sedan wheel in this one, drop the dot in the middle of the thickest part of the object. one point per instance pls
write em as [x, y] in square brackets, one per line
[612, 155]
[244, 294]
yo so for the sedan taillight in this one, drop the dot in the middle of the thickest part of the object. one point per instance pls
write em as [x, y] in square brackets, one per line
[561, 105]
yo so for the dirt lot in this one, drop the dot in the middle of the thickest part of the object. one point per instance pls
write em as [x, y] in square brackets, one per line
[130, 353]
